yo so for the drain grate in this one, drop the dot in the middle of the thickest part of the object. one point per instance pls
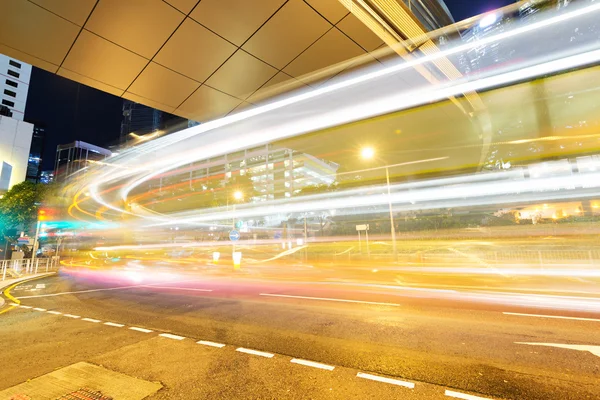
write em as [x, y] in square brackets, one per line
[85, 394]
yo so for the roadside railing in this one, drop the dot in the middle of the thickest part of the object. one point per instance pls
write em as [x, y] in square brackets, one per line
[27, 266]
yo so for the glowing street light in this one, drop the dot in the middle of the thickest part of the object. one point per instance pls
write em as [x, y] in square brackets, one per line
[368, 153]
[238, 195]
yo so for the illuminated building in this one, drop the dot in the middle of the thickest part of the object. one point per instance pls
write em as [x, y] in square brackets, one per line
[73, 157]
[276, 172]
[47, 177]
[34, 166]
[14, 85]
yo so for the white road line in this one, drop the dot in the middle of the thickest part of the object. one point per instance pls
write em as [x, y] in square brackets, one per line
[552, 316]
[113, 324]
[39, 309]
[77, 292]
[312, 364]
[212, 344]
[54, 312]
[71, 316]
[330, 299]
[14, 304]
[22, 306]
[409, 385]
[254, 352]
[464, 396]
[135, 328]
[169, 336]
[90, 320]
[178, 288]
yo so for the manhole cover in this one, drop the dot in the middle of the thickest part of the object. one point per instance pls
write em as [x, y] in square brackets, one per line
[85, 394]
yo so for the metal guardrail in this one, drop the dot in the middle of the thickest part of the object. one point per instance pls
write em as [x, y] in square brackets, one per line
[26, 266]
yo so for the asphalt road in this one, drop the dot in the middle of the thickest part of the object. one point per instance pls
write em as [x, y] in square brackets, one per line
[468, 342]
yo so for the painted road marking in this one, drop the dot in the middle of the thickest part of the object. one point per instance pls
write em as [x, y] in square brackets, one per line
[71, 316]
[169, 336]
[409, 385]
[595, 350]
[113, 324]
[54, 312]
[14, 304]
[90, 320]
[135, 328]
[40, 286]
[178, 288]
[330, 299]
[77, 292]
[312, 364]
[212, 344]
[22, 306]
[464, 396]
[254, 352]
[39, 309]
[552, 316]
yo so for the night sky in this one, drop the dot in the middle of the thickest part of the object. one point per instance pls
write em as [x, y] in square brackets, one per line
[72, 111]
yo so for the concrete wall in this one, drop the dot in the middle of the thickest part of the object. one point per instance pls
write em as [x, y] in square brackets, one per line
[15, 142]
[22, 82]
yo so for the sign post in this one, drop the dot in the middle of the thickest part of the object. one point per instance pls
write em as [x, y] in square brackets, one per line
[364, 227]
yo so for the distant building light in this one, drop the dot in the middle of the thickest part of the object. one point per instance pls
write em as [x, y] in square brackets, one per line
[488, 20]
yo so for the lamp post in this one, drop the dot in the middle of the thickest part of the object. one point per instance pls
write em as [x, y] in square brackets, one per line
[237, 196]
[368, 153]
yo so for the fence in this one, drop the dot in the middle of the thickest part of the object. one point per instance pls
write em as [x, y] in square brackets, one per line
[26, 266]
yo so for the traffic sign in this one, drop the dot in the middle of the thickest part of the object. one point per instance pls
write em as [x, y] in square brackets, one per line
[239, 224]
[234, 235]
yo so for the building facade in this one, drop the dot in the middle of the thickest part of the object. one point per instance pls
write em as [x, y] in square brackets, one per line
[38, 140]
[15, 142]
[14, 85]
[73, 157]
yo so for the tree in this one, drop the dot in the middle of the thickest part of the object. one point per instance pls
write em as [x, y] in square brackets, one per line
[19, 206]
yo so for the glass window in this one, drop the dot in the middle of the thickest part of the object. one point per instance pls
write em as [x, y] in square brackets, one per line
[11, 83]
[10, 93]
[8, 103]
[14, 63]
[13, 73]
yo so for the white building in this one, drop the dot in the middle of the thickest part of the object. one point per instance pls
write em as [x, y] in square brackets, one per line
[15, 142]
[14, 85]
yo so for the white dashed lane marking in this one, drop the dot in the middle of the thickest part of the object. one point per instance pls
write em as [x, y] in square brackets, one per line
[464, 396]
[71, 316]
[289, 296]
[14, 304]
[22, 306]
[90, 320]
[212, 344]
[144, 330]
[169, 336]
[552, 316]
[39, 309]
[391, 381]
[114, 324]
[312, 364]
[255, 352]
[54, 312]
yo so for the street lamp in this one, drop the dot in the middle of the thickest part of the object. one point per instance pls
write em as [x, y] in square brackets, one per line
[368, 153]
[238, 195]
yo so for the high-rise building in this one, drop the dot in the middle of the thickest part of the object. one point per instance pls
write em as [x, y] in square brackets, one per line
[73, 157]
[432, 14]
[15, 142]
[139, 119]
[34, 166]
[14, 85]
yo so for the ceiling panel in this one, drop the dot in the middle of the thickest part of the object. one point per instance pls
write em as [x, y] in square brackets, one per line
[75, 11]
[333, 10]
[141, 26]
[280, 83]
[332, 48]
[162, 85]
[235, 20]
[74, 76]
[194, 51]
[18, 55]
[147, 102]
[359, 32]
[207, 103]
[287, 34]
[185, 6]
[241, 75]
[103, 61]
[26, 27]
